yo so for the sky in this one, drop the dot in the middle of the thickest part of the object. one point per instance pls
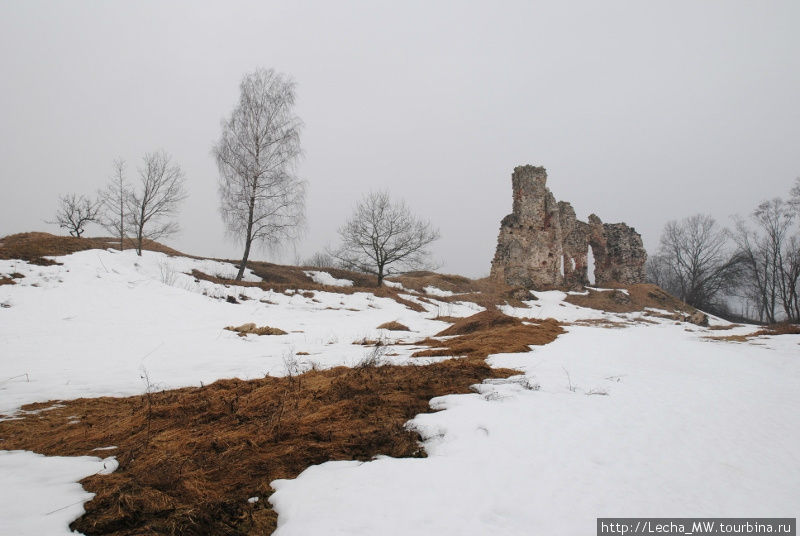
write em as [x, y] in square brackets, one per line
[641, 111]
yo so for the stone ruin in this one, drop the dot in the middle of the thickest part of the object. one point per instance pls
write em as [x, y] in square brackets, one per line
[542, 244]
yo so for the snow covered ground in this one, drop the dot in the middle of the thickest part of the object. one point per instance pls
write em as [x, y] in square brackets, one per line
[40, 495]
[96, 324]
[651, 419]
[641, 421]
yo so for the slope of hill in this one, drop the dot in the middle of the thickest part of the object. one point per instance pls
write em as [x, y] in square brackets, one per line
[613, 413]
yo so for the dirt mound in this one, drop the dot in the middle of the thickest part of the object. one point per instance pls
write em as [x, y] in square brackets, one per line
[491, 332]
[638, 297]
[251, 329]
[34, 247]
[190, 458]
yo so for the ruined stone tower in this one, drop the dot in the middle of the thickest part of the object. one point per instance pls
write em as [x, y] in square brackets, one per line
[543, 244]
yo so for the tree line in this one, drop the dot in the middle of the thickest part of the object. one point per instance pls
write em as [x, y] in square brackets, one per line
[755, 263]
[262, 198]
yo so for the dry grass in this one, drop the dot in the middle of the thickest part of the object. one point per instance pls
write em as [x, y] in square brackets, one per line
[724, 328]
[490, 332]
[783, 328]
[486, 292]
[393, 326]
[190, 458]
[640, 296]
[251, 329]
[729, 338]
[34, 247]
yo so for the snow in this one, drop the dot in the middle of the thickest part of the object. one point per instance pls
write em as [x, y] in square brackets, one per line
[324, 278]
[649, 420]
[99, 323]
[688, 427]
[623, 290]
[551, 304]
[434, 291]
[40, 494]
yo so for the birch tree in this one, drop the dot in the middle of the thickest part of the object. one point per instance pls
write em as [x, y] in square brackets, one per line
[113, 199]
[262, 200]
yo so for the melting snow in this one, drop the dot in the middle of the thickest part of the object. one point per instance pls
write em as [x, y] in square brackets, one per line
[324, 278]
[651, 420]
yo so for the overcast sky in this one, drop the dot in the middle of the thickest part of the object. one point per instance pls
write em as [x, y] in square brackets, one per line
[640, 111]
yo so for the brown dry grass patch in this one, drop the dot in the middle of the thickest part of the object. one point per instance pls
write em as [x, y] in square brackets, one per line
[782, 328]
[393, 326]
[190, 458]
[491, 332]
[640, 296]
[486, 292]
[34, 247]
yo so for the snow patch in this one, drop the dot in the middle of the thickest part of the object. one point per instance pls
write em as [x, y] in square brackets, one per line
[324, 278]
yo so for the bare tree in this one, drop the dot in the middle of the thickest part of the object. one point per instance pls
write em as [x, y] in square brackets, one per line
[153, 206]
[383, 237]
[694, 263]
[74, 212]
[262, 200]
[320, 259]
[114, 198]
[770, 254]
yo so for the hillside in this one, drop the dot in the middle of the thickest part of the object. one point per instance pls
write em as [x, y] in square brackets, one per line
[436, 405]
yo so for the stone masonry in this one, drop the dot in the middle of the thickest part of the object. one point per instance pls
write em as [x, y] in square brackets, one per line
[542, 243]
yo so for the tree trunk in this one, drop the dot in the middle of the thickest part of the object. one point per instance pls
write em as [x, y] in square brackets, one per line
[121, 221]
[140, 229]
[248, 239]
[139, 240]
[243, 264]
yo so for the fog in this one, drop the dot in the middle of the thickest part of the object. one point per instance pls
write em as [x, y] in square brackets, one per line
[641, 112]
